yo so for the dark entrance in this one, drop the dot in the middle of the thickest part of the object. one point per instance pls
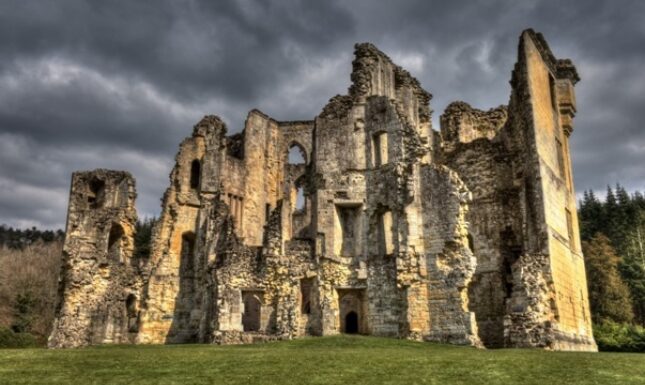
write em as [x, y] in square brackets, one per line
[351, 323]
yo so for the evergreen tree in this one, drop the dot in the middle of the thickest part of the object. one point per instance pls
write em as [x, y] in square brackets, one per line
[24, 307]
[608, 294]
[624, 219]
[638, 200]
[142, 238]
[633, 266]
[609, 215]
[591, 215]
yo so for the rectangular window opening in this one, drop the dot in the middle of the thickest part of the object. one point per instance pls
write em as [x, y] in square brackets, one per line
[560, 153]
[306, 286]
[347, 230]
[385, 239]
[379, 149]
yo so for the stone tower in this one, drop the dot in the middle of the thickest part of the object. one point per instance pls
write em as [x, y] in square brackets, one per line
[467, 236]
[529, 288]
[99, 288]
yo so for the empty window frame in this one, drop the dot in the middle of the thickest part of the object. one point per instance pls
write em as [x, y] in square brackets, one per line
[379, 149]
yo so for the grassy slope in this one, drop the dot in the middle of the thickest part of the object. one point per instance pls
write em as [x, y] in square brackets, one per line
[330, 360]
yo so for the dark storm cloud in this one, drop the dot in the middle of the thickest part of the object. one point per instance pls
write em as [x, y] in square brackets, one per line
[118, 84]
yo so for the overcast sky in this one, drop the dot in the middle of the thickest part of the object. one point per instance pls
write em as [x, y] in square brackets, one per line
[118, 84]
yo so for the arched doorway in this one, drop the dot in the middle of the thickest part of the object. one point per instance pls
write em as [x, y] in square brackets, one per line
[351, 323]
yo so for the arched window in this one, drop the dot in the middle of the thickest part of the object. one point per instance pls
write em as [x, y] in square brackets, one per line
[195, 173]
[297, 154]
[115, 239]
[471, 243]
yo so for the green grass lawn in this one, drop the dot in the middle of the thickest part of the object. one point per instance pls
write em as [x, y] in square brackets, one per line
[329, 360]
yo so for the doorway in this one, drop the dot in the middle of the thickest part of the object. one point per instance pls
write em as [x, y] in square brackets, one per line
[352, 311]
[351, 323]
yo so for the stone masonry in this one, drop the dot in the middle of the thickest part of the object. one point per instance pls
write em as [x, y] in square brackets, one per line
[466, 236]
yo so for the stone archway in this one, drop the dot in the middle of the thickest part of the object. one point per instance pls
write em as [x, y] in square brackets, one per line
[351, 323]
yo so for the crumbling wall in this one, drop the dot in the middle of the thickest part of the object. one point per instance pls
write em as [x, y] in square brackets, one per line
[516, 163]
[461, 124]
[450, 262]
[474, 146]
[172, 298]
[99, 287]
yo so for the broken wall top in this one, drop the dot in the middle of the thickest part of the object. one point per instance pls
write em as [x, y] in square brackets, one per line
[374, 74]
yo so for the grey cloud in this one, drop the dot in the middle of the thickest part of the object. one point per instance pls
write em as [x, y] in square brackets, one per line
[117, 84]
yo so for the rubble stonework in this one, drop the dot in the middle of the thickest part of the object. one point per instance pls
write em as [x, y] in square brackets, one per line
[468, 236]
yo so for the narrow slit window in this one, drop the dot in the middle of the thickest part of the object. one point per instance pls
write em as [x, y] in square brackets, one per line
[560, 155]
[554, 98]
[386, 242]
[299, 199]
[570, 229]
[195, 173]
[379, 149]
[267, 213]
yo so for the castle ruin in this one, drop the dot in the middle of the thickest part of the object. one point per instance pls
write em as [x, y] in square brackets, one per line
[389, 228]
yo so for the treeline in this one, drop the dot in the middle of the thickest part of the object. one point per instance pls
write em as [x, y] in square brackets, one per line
[18, 239]
[613, 244]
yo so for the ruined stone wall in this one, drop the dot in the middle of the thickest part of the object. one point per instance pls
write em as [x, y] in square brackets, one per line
[516, 163]
[172, 308]
[450, 262]
[99, 287]
[467, 239]
[474, 147]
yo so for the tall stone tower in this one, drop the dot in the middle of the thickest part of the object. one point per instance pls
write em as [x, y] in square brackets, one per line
[550, 83]
[529, 288]
[99, 284]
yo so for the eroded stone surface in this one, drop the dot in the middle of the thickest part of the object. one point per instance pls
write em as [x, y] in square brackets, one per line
[387, 228]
